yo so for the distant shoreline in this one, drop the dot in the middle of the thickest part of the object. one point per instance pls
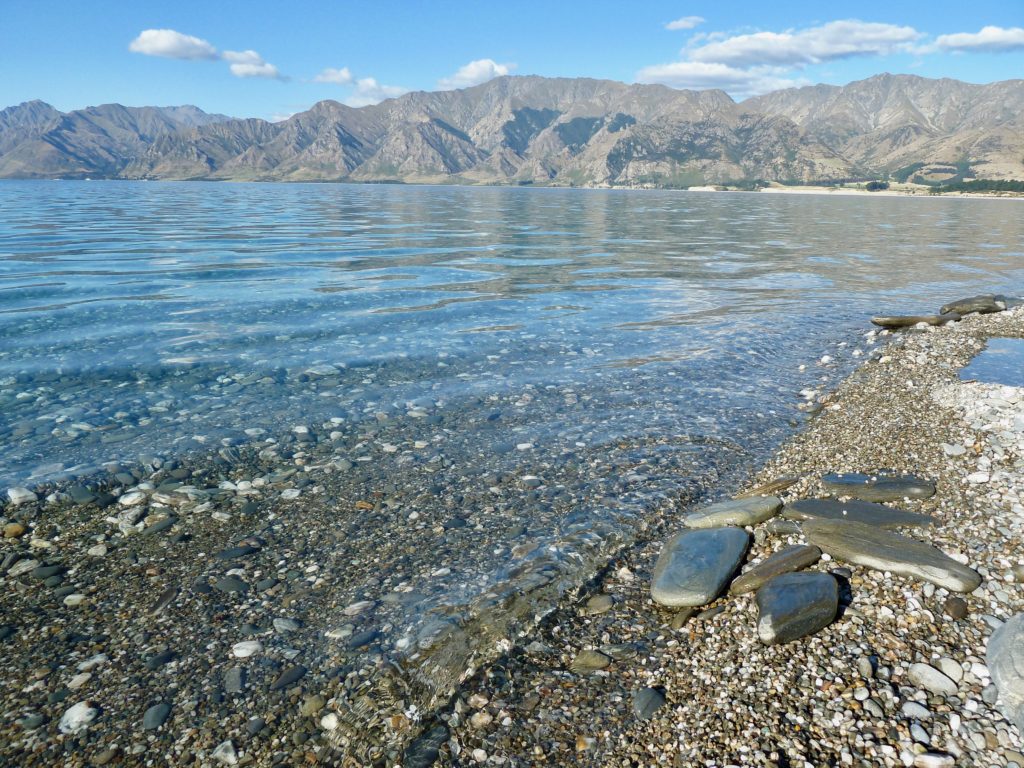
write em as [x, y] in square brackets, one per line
[901, 191]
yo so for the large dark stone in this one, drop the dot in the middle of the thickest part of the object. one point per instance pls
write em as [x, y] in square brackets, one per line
[883, 550]
[883, 486]
[795, 605]
[983, 305]
[694, 566]
[854, 511]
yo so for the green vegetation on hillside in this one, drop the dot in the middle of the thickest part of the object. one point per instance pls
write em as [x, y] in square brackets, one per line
[981, 185]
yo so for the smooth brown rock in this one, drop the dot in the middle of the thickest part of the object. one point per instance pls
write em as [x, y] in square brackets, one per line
[907, 321]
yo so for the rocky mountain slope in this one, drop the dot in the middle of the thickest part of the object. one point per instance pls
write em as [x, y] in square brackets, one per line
[534, 130]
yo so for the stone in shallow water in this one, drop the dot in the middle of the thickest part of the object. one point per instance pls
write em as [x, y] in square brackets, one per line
[749, 511]
[155, 716]
[1005, 660]
[882, 550]
[694, 566]
[289, 676]
[983, 305]
[853, 511]
[883, 486]
[589, 661]
[646, 702]
[78, 717]
[788, 559]
[231, 584]
[907, 321]
[795, 605]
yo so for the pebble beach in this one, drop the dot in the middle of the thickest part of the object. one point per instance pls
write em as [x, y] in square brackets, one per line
[901, 677]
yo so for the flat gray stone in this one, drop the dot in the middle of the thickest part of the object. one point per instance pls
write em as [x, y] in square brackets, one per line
[234, 680]
[983, 305]
[883, 550]
[695, 565]
[854, 511]
[786, 560]
[883, 486]
[289, 676]
[155, 716]
[646, 702]
[231, 584]
[1005, 660]
[795, 605]
[932, 680]
[749, 511]
[907, 321]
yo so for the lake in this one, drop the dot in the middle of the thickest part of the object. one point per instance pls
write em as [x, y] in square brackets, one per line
[523, 378]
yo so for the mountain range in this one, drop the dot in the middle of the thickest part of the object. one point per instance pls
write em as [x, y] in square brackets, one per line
[549, 131]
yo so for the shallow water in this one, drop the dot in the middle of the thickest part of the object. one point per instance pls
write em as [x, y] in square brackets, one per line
[533, 372]
[151, 318]
[1001, 362]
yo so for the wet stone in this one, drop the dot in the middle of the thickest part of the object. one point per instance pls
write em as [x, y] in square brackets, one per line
[795, 605]
[879, 487]
[157, 661]
[646, 702]
[231, 584]
[885, 551]
[598, 604]
[234, 552]
[425, 750]
[234, 680]
[792, 558]
[589, 661]
[288, 677]
[46, 571]
[748, 511]
[159, 526]
[166, 598]
[869, 513]
[694, 566]
[156, 716]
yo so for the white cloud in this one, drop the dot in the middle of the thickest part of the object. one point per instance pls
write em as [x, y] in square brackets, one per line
[687, 22]
[369, 91]
[250, 64]
[474, 73]
[171, 45]
[834, 40]
[337, 76]
[988, 39]
[700, 75]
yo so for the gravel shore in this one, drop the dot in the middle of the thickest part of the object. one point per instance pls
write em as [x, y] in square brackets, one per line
[849, 695]
[232, 613]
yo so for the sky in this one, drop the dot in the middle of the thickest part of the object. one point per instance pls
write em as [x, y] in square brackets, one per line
[269, 59]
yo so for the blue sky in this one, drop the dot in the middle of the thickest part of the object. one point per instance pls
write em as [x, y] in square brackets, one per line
[269, 59]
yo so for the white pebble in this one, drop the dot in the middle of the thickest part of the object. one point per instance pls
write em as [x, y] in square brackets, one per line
[246, 648]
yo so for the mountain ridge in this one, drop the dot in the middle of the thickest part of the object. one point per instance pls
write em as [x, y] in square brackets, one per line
[549, 131]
